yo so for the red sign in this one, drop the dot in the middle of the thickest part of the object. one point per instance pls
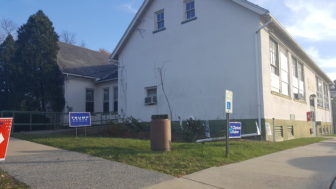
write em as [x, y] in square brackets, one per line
[5, 130]
[309, 116]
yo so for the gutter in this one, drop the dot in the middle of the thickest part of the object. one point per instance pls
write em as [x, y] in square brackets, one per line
[258, 68]
[76, 75]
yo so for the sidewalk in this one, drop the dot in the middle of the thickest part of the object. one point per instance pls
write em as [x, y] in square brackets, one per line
[41, 166]
[312, 166]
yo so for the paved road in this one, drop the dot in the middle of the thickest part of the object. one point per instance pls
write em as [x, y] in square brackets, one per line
[42, 166]
[308, 167]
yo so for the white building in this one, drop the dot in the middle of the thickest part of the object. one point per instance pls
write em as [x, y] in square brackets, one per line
[90, 80]
[201, 48]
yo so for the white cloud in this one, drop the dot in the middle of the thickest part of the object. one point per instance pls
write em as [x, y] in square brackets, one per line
[327, 64]
[323, 62]
[129, 7]
[312, 19]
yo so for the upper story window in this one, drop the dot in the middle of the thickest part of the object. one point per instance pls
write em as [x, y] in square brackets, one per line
[279, 68]
[326, 96]
[319, 92]
[159, 20]
[284, 74]
[274, 57]
[190, 9]
[274, 63]
[298, 79]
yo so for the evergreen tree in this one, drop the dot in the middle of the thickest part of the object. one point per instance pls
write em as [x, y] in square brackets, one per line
[40, 78]
[7, 51]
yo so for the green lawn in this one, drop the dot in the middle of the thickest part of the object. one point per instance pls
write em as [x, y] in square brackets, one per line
[8, 182]
[185, 158]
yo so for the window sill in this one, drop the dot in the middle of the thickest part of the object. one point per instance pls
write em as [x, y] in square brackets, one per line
[189, 20]
[300, 101]
[160, 30]
[322, 108]
[281, 95]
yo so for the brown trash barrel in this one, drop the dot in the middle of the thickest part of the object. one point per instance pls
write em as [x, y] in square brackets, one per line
[160, 133]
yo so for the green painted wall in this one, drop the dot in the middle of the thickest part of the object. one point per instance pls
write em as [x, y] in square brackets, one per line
[290, 129]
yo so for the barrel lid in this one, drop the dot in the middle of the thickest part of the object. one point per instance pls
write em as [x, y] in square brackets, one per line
[164, 116]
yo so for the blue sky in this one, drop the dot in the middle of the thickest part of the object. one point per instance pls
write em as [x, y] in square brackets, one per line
[101, 23]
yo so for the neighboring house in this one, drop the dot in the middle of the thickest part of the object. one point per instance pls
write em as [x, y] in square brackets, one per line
[205, 47]
[72, 56]
[90, 80]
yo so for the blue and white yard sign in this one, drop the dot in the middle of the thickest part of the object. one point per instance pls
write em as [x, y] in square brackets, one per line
[235, 130]
[79, 119]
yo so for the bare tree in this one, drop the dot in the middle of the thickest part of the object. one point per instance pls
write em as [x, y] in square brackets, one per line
[7, 27]
[104, 52]
[164, 91]
[68, 37]
[83, 44]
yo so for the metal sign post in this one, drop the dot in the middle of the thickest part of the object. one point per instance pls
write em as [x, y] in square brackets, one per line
[228, 110]
[227, 134]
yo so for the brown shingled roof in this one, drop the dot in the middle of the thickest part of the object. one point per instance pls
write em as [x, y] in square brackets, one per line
[71, 56]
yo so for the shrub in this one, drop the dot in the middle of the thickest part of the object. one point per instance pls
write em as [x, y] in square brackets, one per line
[129, 128]
[193, 130]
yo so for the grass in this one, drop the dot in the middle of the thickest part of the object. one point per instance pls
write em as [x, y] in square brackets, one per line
[185, 158]
[8, 182]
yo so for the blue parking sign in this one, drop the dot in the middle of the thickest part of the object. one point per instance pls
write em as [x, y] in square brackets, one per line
[235, 130]
[228, 105]
[79, 119]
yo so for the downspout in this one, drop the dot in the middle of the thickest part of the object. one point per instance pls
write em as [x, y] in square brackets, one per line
[258, 68]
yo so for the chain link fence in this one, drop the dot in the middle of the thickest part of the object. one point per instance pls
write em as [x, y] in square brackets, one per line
[34, 121]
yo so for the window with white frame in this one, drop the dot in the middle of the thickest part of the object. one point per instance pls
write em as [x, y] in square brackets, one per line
[151, 95]
[319, 92]
[298, 79]
[190, 9]
[115, 99]
[159, 20]
[106, 99]
[274, 61]
[89, 104]
[326, 96]
[279, 68]
[284, 74]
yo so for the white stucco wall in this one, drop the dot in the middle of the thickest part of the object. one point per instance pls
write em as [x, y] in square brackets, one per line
[99, 95]
[200, 59]
[279, 107]
[75, 93]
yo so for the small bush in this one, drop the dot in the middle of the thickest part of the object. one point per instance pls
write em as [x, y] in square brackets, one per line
[116, 130]
[193, 130]
[129, 128]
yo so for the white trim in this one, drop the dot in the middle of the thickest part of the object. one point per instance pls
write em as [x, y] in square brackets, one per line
[146, 3]
[77, 75]
[253, 7]
[130, 28]
[311, 62]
